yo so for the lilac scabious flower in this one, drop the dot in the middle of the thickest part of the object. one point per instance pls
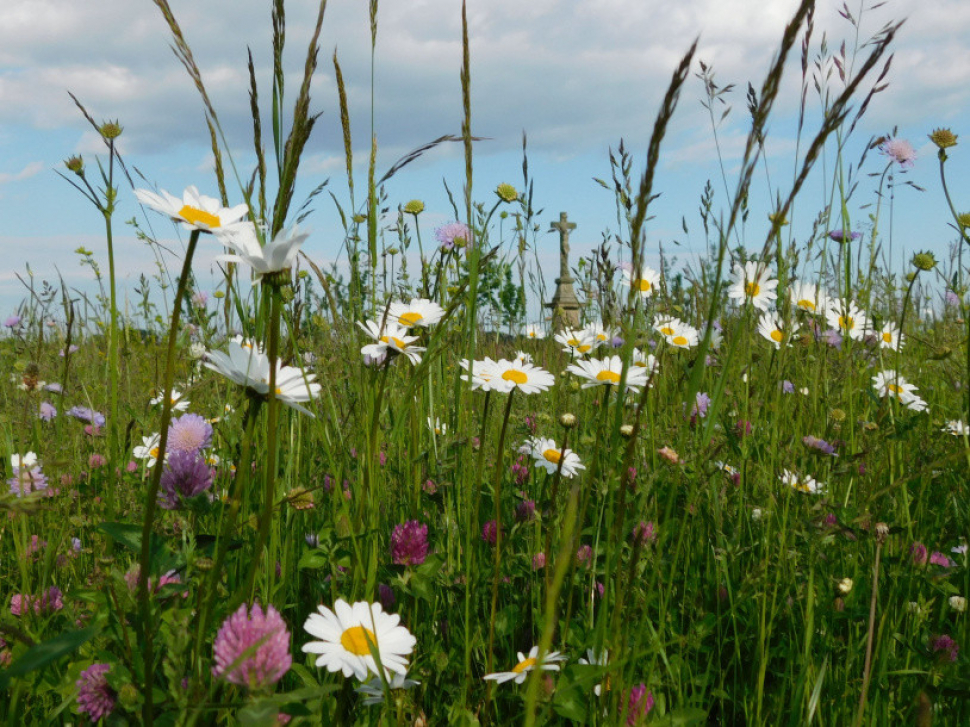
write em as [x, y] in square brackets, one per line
[701, 403]
[819, 445]
[838, 235]
[787, 387]
[945, 648]
[952, 298]
[899, 150]
[47, 411]
[409, 543]
[189, 433]
[94, 697]
[454, 233]
[252, 649]
[27, 481]
[12, 321]
[639, 704]
[88, 415]
[186, 475]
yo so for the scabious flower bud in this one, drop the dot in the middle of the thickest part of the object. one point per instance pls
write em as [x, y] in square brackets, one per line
[75, 164]
[110, 129]
[924, 261]
[414, 207]
[943, 138]
[506, 193]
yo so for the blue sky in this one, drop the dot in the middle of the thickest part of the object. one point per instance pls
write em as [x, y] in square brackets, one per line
[575, 76]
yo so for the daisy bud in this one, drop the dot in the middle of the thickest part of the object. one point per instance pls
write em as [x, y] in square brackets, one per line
[882, 532]
[568, 420]
[845, 585]
[626, 430]
[958, 603]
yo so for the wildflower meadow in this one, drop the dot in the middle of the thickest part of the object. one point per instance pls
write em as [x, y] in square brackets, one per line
[408, 489]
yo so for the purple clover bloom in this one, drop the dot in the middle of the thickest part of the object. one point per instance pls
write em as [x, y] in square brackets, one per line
[645, 533]
[918, 553]
[451, 234]
[639, 704]
[94, 697]
[385, 594]
[409, 543]
[189, 433]
[937, 558]
[252, 649]
[945, 648]
[186, 475]
[490, 532]
[525, 511]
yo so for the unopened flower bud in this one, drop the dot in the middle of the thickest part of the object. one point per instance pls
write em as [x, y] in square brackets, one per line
[568, 420]
[626, 430]
[110, 129]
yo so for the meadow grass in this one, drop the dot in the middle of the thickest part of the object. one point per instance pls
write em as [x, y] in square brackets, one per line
[735, 494]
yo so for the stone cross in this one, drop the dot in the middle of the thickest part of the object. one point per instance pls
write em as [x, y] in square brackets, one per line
[564, 305]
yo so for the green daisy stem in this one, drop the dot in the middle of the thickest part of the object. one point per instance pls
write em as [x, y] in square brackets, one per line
[147, 633]
[273, 414]
[497, 496]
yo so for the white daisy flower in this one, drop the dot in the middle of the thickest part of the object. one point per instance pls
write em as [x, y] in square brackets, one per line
[350, 633]
[890, 337]
[955, 427]
[889, 383]
[481, 374]
[525, 377]
[534, 330]
[645, 361]
[752, 284]
[916, 404]
[676, 333]
[437, 426]
[593, 659]
[802, 484]
[178, 403]
[522, 357]
[373, 689]
[28, 460]
[392, 338]
[807, 297]
[645, 283]
[847, 318]
[273, 257]
[527, 664]
[548, 456]
[419, 312]
[601, 335]
[606, 372]
[575, 341]
[195, 211]
[773, 330]
[249, 367]
[148, 450]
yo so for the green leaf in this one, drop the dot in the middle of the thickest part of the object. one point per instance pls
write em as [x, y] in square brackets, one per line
[123, 533]
[43, 654]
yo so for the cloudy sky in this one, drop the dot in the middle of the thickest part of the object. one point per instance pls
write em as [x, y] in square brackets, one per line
[576, 76]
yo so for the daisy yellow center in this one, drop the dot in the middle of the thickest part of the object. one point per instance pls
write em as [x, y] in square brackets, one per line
[846, 323]
[887, 337]
[667, 331]
[574, 342]
[679, 341]
[600, 336]
[524, 665]
[609, 377]
[515, 376]
[532, 334]
[644, 285]
[776, 336]
[411, 318]
[584, 349]
[278, 391]
[355, 640]
[752, 289]
[398, 343]
[806, 304]
[895, 389]
[153, 452]
[199, 217]
[553, 455]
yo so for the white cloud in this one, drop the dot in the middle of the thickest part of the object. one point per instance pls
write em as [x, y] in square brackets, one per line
[32, 169]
